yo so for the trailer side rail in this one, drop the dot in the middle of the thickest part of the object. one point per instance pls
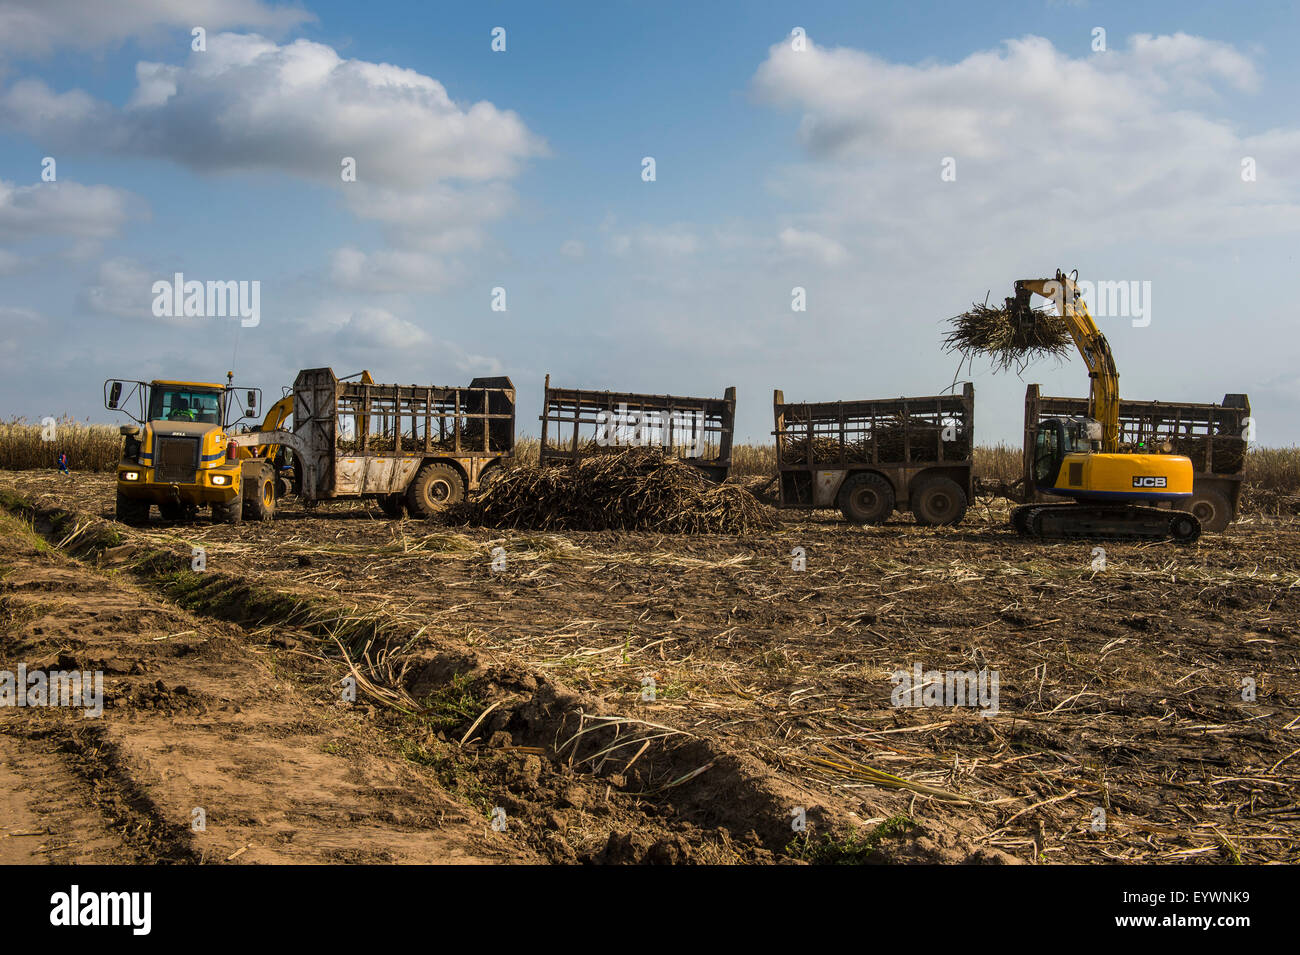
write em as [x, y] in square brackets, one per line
[1210, 434]
[932, 430]
[579, 423]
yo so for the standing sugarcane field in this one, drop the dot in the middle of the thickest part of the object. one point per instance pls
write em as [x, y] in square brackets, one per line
[664, 436]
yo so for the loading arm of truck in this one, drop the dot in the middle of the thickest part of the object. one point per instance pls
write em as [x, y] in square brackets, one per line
[303, 458]
[1103, 397]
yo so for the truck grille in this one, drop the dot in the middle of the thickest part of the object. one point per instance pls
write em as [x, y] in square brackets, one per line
[176, 460]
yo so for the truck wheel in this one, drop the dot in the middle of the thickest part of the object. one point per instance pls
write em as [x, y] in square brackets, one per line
[231, 512]
[260, 505]
[393, 505]
[1211, 508]
[866, 498]
[436, 487]
[176, 512]
[939, 501]
[132, 512]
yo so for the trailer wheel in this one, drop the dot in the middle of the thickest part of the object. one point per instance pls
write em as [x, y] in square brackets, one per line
[436, 487]
[489, 477]
[260, 504]
[1212, 509]
[393, 505]
[866, 498]
[939, 501]
[131, 511]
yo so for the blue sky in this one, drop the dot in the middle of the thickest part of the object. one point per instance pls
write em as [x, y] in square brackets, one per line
[775, 168]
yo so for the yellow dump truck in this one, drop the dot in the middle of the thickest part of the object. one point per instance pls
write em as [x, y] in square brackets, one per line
[178, 455]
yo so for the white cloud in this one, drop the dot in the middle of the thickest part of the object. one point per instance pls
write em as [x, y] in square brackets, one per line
[357, 334]
[860, 106]
[656, 242]
[391, 270]
[1048, 148]
[122, 287]
[38, 26]
[1189, 62]
[63, 209]
[476, 366]
[433, 173]
[379, 329]
[250, 104]
[811, 245]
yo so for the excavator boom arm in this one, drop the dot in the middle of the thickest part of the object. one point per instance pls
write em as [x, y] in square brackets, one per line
[1103, 397]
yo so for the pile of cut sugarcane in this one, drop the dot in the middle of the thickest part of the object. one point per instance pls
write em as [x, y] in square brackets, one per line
[638, 489]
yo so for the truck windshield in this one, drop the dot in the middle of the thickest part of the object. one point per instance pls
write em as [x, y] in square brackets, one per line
[167, 403]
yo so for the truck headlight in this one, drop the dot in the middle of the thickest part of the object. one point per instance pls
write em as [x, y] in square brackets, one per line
[220, 480]
[130, 475]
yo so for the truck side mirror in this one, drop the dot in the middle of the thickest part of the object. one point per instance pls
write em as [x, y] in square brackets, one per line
[114, 393]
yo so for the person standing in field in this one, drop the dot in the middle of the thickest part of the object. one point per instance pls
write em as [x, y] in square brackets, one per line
[63, 463]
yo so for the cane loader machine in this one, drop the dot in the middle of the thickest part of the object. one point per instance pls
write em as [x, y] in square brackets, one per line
[179, 457]
[1112, 494]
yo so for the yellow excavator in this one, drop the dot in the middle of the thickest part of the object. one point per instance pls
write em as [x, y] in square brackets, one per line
[1113, 494]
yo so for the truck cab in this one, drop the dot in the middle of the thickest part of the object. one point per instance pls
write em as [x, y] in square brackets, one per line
[178, 456]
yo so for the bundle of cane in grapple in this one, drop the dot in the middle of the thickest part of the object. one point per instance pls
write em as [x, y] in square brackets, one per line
[1007, 339]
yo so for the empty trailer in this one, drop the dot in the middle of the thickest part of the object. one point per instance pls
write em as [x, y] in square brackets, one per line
[578, 423]
[874, 456]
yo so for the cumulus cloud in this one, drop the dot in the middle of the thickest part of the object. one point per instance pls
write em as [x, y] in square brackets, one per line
[402, 346]
[63, 209]
[656, 242]
[858, 105]
[39, 26]
[1045, 146]
[431, 172]
[248, 103]
[476, 366]
[800, 243]
[391, 270]
[379, 329]
[121, 287]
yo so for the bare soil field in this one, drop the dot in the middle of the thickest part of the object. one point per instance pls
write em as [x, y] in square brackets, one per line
[631, 697]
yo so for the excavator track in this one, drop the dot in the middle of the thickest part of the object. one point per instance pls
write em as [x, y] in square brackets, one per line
[1093, 521]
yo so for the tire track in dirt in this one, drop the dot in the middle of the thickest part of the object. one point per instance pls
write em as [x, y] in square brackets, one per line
[196, 718]
[560, 810]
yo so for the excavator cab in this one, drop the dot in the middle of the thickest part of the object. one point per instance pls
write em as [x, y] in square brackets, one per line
[1057, 437]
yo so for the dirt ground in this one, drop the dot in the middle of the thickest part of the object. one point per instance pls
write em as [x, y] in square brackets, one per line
[623, 697]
